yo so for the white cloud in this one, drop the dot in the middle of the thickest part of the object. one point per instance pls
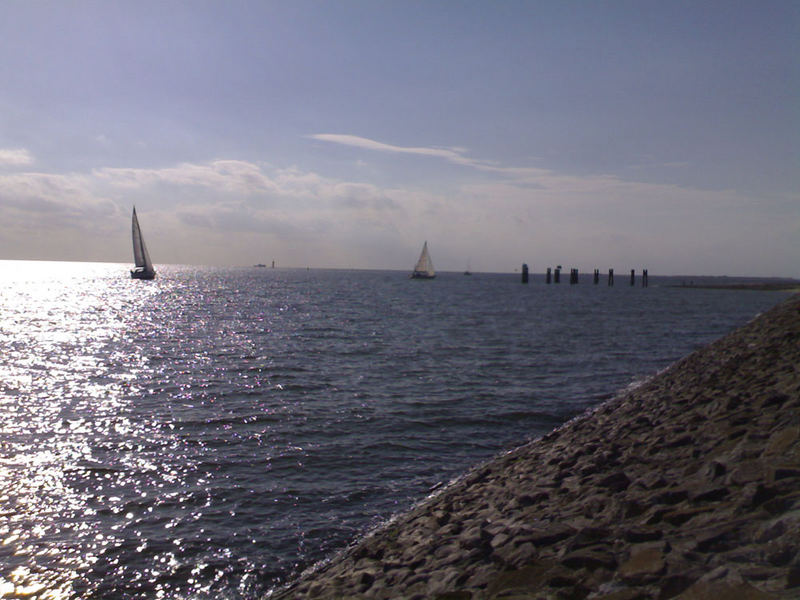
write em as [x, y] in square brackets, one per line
[240, 212]
[291, 185]
[62, 190]
[56, 216]
[225, 175]
[18, 157]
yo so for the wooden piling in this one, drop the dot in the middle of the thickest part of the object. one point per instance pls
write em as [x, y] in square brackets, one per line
[554, 276]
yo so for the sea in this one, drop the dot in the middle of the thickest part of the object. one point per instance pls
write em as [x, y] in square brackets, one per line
[214, 432]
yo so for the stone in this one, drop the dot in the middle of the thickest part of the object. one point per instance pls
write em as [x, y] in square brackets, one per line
[781, 504]
[443, 581]
[655, 516]
[448, 554]
[754, 495]
[365, 579]
[549, 534]
[717, 538]
[533, 498]
[398, 575]
[770, 531]
[590, 558]
[785, 473]
[747, 472]
[674, 583]
[515, 556]
[499, 540]
[530, 577]
[634, 508]
[683, 515]
[782, 553]
[716, 590]
[670, 497]
[645, 562]
[714, 470]
[710, 494]
[616, 481]
[620, 594]
[641, 534]
[774, 400]
[781, 441]
[462, 595]
[680, 441]
[793, 577]
[472, 537]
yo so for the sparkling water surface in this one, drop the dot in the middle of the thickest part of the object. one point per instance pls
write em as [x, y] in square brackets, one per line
[212, 432]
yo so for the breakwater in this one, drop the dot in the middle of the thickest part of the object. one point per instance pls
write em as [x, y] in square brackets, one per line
[685, 487]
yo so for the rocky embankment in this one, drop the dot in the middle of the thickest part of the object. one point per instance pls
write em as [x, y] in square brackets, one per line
[686, 487]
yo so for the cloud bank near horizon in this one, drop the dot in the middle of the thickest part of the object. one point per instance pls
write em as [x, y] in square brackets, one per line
[240, 212]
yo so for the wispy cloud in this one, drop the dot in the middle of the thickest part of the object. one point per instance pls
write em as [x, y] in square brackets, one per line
[18, 157]
[452, 154]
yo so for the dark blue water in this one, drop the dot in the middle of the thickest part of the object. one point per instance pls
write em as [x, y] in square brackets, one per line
[208, 434]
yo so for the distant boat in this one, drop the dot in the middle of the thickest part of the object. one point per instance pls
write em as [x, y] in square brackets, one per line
[144, 266]
[467, 272]
[424, 267]
[260, 265]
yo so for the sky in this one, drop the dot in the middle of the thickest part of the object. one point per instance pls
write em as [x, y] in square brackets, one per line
[343, 134]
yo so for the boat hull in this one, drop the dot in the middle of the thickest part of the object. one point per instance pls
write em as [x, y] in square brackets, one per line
[142, 274]
[419, 275]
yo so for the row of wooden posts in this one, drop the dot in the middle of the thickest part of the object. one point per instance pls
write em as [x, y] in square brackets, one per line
[554, 276]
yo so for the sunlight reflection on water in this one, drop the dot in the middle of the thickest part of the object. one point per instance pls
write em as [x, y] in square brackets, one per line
[58, 328]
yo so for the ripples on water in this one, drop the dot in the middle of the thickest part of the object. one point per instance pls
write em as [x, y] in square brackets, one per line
[207, 434]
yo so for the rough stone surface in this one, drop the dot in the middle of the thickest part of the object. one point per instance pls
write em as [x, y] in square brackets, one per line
[686, 487]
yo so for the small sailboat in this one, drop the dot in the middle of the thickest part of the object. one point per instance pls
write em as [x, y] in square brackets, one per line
[144, 266]
[424, 266]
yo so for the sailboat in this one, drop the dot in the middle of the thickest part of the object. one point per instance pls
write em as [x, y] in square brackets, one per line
[144, 266]
[424, 266]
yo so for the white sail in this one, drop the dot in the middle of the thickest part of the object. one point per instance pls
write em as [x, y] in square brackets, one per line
[141, 258]
[424, 266]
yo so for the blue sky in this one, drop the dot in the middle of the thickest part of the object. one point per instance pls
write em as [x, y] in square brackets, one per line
[619, 134]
